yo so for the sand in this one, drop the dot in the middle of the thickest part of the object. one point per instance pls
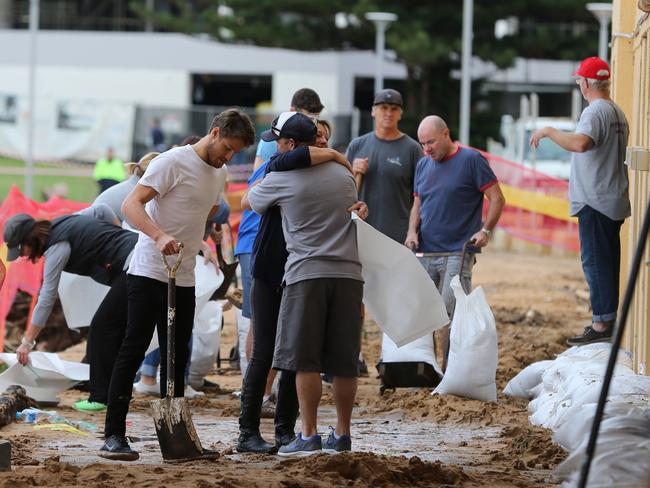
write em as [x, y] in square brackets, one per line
[403, 438]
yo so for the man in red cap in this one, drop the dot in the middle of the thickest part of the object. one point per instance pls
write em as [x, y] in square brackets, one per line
[598, 192]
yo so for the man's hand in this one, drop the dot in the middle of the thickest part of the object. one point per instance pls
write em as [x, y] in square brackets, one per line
[22, 353]
[360, 208]
[412, 241]
[359, 166]
[480, 239]
[537, 136]
[208, 255]
[343, 161]
[168, 245]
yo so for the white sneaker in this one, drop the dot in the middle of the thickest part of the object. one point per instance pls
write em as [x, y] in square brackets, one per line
[192, 393]
[145, 389]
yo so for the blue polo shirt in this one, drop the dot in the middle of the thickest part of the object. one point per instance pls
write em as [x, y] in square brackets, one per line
[250, 221]
[451, 199]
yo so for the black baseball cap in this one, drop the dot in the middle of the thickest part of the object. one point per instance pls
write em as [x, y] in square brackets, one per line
[292, 125]
[16, 229]
[388, 95]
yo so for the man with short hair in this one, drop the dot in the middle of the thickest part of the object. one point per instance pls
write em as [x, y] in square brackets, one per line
[169, 205]
[387, 159]
[305, 101]
[598, 192]
[319, 328]
[450, 183]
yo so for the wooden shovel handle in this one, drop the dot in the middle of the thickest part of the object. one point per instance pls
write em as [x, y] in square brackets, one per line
[358, 179]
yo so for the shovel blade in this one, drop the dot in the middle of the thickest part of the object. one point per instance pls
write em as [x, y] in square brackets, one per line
[228, 271]
[176, 434]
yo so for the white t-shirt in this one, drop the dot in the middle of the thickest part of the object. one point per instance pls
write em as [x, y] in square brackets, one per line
[187, 189]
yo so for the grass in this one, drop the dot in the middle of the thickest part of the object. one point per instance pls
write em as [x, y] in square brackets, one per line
[79, 188]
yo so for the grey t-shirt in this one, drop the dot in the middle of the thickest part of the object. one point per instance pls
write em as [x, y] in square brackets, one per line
[387, 186]
[321, 237]
[599, 176]
[116, 194]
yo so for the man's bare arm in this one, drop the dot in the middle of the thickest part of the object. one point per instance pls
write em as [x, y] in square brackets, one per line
[569, 141]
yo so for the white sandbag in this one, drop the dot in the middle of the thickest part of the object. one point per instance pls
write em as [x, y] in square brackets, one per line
[207, 279]
[243, 325]
[622, 455]
[80, 298]
[206, 340]
[44, 377]
[399, 294]
[528, 378]
[419, 350]
[473, 352]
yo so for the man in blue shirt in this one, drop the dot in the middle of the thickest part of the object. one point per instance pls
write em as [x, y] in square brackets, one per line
[450, 182]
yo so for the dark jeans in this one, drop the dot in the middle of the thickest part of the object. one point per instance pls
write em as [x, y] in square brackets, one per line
[265, 301]
[147, 306]
[105, 337]
[600, 249]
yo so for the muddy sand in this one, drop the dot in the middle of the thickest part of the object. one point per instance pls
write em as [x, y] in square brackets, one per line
[402, 438]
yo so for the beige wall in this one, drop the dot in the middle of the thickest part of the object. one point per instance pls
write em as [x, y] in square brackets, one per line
[631, 75]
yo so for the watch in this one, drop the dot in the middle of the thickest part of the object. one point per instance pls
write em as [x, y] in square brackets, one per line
[487, 232]
[29, 344]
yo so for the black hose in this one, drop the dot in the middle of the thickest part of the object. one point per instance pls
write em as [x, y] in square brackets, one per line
[616, 344]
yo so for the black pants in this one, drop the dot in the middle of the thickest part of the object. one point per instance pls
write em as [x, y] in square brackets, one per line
[105, 338]
[265, 301]
[147, 306]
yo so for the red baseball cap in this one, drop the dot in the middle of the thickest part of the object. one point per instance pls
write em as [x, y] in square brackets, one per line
[594, 68]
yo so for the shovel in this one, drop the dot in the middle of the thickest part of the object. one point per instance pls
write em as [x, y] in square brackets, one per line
[228, 271]
[176, 434]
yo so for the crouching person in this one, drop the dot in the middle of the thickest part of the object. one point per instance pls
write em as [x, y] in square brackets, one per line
[319, 328]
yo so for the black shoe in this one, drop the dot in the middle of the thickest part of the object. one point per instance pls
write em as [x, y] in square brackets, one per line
[116, 447]
[205, 385]
[590, 336]
[254, 443]
[284, 439]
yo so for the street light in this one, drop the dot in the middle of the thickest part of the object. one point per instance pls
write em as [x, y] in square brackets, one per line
[381, 21]
[34, 15]
[603, 12]
[466, 70]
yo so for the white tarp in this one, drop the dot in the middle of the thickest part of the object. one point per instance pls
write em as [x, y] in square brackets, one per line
[44, 377]
[398, 292]
[80, 298]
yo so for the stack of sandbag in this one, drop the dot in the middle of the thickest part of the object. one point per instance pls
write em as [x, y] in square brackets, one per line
[564, 393]
[473, 350]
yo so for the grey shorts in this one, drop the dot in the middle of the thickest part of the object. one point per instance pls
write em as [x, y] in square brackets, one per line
[319, 329]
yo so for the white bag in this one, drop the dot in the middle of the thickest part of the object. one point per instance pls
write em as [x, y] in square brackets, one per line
[473, 353]
[80, 298]
[243, 325]
[420, 350]
[206, 340]
[527, 379]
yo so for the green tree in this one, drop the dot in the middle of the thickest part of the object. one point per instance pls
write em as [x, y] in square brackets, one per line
[427, 39]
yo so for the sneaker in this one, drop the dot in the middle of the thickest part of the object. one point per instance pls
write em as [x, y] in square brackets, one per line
[116, 447]
[192, 393]
[301, 447]
[589, 336]
[334, 445]
[204, 384]
[88, 406]
[147, 389]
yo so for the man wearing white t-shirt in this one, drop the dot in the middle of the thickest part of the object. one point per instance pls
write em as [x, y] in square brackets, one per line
[170, 205]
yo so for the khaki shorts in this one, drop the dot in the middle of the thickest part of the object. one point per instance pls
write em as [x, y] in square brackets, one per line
[319, 329]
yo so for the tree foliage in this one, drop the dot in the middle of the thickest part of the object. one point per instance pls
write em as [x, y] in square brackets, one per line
[427, 38]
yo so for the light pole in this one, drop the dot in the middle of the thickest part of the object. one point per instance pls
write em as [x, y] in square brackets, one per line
[381, 21]
[466, 70]
[603, 12]
[34, 16]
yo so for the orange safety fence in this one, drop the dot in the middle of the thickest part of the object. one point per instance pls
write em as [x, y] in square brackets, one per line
[23, 274]
[537, 205]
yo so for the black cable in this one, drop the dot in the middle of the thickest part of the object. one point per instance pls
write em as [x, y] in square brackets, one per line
[616, 344]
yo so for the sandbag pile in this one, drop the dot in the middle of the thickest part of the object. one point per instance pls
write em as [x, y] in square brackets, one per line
[564, 393]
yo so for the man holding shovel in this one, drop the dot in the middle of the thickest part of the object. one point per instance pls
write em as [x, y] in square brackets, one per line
[170, 205]
[450, 182]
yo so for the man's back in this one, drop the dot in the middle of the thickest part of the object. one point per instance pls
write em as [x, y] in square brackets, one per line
[321, 238]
